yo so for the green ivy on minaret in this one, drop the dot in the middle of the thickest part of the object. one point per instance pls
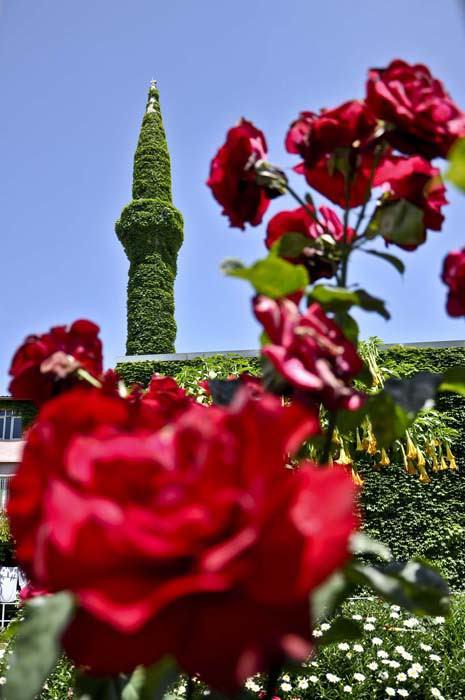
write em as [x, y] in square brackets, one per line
[151, 231]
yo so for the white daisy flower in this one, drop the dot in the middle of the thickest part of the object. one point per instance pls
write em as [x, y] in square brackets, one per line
[250, 684]
[395, 607]
[384, 675]
[402, 692]
[302, 683]
[286, 687]
[371, 619]
[439, 620]
[358, 648]
[381, 654]
[357, 617]
[332, 678]
[325, 627]
[359, 677]
[435, 657]
[390, 691]
[372, 665]
[411, 622]
[313, 679]
[376, 641]
[436, 693]
[368, 627]
[425, 647]
[343, 646]
[347, 689]
[394, 615]
[401, 677]
[400, 649]
[317, 633]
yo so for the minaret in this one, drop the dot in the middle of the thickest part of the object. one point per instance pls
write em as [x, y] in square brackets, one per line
[151, 231]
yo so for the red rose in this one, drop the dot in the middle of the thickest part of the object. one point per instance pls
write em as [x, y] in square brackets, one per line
[310, 352]
[45, 364]
[330, 181]
[313, 136]
[453, 274]
[167, 396]
[233, 179]
[169, 539]
[425, 118]
[417, 181]
[315, 259]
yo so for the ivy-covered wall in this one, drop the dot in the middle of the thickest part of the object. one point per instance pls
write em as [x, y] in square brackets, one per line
[25, 409]
[413, 518]
[151, 231]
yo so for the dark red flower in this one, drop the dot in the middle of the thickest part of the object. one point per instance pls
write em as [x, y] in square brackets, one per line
[45, 364]
[417, 181]
[233, 179]
[424, 117]
[169, 539]
[310, 351]
[165, 394]
[313, 136]
[330, 181]
[317, 259]
[453, 274]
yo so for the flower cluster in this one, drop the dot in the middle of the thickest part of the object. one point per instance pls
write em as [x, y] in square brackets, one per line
[166, 519]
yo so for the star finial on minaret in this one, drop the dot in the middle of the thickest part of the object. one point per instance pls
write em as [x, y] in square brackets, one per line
[152, 92]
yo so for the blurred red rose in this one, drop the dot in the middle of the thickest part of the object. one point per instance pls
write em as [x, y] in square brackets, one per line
[425, 118]
[233, 179]
[417, 181]
[170, 539]
[453, 274]
[45, 364]
[310, 351]
[313, 136]
[165, 394]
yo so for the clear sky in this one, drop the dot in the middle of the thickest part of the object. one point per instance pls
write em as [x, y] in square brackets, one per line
[73, 84]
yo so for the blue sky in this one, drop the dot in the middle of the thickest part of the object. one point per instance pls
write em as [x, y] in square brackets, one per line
[73, 85]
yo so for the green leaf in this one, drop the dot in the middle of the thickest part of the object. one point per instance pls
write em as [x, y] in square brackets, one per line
[456, 172]
[391, 259]
[95, 688]
[412, 585]
[342, 629]
[37, 645]
[414, 393]
[399, 222]
[348, 326]
[347, 421]
[340, 300]
[157, 679]
[291, 245]
[388, 419]
[361, 543]
[329, 595]
[272, 276]
[453, 379]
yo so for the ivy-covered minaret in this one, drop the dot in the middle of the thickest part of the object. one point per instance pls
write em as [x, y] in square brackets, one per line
[151, 231]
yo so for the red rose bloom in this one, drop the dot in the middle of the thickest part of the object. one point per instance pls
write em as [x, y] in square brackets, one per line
[232, 177]
[313, 136]
[310, 352]
[45, 364]
[169, 539]
[299, 221]
[317, 263]
[165, 394]
[425, 118]
[417, 181]
[453, 274]
[330, 182]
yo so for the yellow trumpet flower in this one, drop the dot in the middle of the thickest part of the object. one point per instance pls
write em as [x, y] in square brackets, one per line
[336, 440]
[404, 457]
[443, 465]
[411, 468]
[384, 461]
[411, 449]
[435, 461]
[424, 478]
[451, 458]
[420, 458]
[356, 478]
[343, 458]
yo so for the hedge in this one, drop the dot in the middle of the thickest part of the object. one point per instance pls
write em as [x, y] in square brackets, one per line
[414, 519]
[151, 231]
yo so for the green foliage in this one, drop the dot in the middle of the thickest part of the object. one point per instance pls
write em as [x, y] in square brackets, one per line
[400, 222]
[456, 172]
[151, 324]
[341, 300]
[151, 232]
[152, 168]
